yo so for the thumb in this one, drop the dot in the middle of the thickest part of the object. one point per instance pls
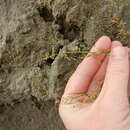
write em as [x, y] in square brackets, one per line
[115, 88]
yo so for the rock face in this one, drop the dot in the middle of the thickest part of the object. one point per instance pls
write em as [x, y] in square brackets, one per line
[35, 38]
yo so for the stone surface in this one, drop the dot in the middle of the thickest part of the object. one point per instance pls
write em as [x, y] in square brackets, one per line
[30, 116]
[35, 36]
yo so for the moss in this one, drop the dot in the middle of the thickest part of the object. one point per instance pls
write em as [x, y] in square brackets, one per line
[52, 55]
[85, 98]
[78, 53]
[39, 92]
[117, 28]
[42, 91]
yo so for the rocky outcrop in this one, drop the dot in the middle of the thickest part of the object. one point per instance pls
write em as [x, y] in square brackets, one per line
[36, 38]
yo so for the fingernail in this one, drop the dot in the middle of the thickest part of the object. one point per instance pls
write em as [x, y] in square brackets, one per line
[103, 41]
[119, 52]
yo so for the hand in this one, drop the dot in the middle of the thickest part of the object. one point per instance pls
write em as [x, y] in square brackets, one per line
[79, 107]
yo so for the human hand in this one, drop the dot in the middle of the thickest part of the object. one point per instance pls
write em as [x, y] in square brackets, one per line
[79, 107]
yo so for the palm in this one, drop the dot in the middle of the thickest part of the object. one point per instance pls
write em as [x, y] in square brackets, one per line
[84, 105]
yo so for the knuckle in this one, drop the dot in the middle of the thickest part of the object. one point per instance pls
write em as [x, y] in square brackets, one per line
[117, 69]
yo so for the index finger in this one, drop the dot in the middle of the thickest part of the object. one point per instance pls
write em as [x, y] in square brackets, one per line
[81, 78]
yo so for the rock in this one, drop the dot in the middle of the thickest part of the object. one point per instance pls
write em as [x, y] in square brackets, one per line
[40, 41]
[27, 116]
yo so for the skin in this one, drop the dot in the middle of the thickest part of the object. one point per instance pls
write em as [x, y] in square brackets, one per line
[110, 110]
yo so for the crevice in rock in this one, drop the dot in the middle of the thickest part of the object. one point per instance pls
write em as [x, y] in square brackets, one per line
[16, 101]
[60, 20]
[35, 101]
[54, 53]
[70, 31]
[2, 108]
[46, 14]
[9, 39]
[50, 60]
